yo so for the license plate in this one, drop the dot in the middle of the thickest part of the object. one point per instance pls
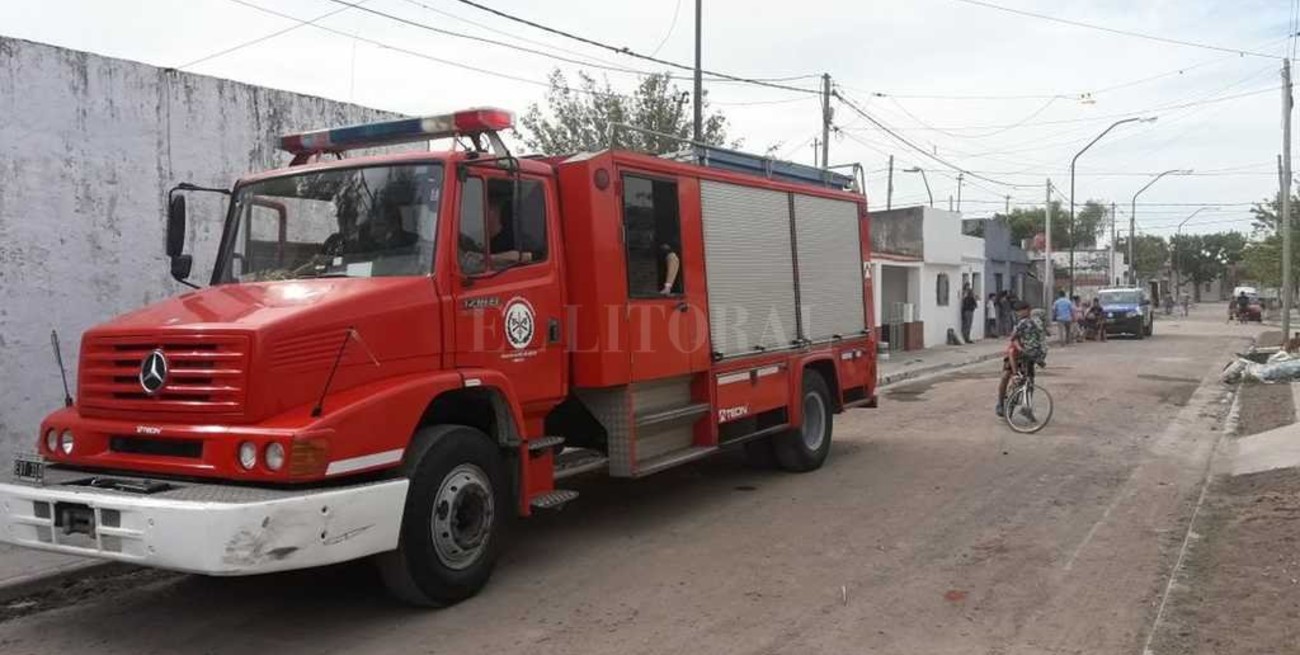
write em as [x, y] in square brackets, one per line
[29, 468]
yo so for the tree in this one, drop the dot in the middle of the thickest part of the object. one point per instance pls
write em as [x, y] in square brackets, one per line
[1090, 222]
[1266, 214]
[1204, 257]
[579, 120]
[1150, 252]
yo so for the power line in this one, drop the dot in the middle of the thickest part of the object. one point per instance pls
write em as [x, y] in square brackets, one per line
[768, 82]
[1113, 30]
[901, 139]
[671, 26]
[1271, 89]
[483, 39]
[421, 55]
[517, 37]
[267, 37]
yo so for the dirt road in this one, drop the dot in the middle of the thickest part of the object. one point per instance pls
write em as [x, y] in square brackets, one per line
[933, 529]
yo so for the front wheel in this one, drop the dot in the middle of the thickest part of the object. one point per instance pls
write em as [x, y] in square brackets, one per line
[805, 448]
[456, 513]
[1028, 408]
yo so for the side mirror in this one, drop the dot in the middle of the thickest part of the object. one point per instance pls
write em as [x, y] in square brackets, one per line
[181, 266]
[176, 227]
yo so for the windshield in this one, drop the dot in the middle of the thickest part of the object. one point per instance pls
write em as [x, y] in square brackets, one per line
[358, 222]
[1118, 297]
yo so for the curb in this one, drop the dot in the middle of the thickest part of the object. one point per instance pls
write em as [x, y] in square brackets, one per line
[27, 585]
[901, 376]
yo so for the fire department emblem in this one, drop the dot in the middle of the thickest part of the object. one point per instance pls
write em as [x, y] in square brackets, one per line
[519, 323]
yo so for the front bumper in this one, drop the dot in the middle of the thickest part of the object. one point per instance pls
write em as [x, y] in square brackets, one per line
[210, 529]
[1125, 325]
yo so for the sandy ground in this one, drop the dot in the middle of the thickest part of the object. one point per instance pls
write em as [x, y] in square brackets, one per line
[932, 529]
[1239, 590]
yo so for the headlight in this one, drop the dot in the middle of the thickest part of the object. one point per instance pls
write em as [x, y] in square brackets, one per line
[247, 455]
[275, 456]
[52, 440]
[65, 442]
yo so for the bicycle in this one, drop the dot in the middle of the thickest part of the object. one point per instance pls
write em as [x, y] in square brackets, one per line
[1027, 406]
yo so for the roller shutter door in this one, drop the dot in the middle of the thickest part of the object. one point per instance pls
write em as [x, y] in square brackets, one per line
[748, 256]
[830, 267]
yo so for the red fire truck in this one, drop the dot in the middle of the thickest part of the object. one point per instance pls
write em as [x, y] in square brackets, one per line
[398, 354]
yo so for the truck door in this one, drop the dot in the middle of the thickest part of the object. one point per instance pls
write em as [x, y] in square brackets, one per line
[508, 309]
[667, 333]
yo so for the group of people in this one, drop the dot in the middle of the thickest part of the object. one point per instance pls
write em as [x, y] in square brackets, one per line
[1078, 321]
[999, 313]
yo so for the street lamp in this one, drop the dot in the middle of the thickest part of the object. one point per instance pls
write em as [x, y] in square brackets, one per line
[1132, 221]
[1104, 132]
[918, 169]
[1178, 252]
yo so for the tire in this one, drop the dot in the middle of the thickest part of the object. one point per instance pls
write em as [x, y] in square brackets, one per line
[1041, 410]
[1141, 331]
[806, 447]
[457, 511]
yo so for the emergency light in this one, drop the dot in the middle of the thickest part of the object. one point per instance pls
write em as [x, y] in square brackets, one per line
[470, 121]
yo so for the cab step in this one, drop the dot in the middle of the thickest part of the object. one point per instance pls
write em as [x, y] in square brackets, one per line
[576, 461]
[542, 443]
[553, 499]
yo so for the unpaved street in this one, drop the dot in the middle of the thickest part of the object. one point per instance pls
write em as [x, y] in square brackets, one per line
[933, 529]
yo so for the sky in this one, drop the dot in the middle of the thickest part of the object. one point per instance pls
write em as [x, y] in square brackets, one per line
[949, 85]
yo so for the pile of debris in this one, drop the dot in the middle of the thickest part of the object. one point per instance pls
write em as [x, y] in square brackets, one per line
[1267, 365]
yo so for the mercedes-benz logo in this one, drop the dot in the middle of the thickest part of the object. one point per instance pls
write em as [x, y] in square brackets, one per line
[153, 372]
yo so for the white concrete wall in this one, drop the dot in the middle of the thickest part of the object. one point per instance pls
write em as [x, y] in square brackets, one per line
[88, 148]
[938, 318]
[944, 241]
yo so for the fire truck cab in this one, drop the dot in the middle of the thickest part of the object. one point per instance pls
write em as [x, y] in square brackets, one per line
[397, 354]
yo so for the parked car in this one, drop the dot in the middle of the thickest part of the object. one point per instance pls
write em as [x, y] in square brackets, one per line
[1128, 311]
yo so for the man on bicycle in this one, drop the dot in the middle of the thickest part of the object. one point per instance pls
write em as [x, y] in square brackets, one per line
[1028, 348]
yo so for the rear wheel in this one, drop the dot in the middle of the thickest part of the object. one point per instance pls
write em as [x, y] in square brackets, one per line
[456, 513]
[805, 448]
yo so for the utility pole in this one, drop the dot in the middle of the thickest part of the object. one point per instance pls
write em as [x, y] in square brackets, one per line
[699, 80]
[1049, 269]
[1008, 211]
[816, 156]
[960, 177]
[889, 194]
[1110, 271]
[950, 202]
[826, 119]
[1286, 200]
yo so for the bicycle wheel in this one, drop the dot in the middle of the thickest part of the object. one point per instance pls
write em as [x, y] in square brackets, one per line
[1028, 408]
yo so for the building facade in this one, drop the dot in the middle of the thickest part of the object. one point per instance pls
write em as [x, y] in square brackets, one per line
[921, 263]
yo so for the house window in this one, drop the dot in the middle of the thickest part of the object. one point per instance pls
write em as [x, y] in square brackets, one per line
[941, 289]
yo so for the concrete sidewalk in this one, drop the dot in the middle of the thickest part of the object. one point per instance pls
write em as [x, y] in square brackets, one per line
[1275, 449]
[907, 365]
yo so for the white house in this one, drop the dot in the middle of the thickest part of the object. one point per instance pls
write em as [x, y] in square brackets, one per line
[921, 261]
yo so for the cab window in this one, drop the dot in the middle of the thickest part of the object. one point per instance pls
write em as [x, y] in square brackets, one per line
[490, 238]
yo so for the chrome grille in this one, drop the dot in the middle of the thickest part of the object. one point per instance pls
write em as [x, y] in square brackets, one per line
[205, 373]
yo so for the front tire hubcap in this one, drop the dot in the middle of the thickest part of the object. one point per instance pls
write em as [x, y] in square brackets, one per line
[814, 421]
[463, 513]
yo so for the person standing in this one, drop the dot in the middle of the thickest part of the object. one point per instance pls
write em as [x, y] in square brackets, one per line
[1004, 312]
[1186, 302]
[990, 316]
[1063, 315]
[968, 305]
[1076, 320]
